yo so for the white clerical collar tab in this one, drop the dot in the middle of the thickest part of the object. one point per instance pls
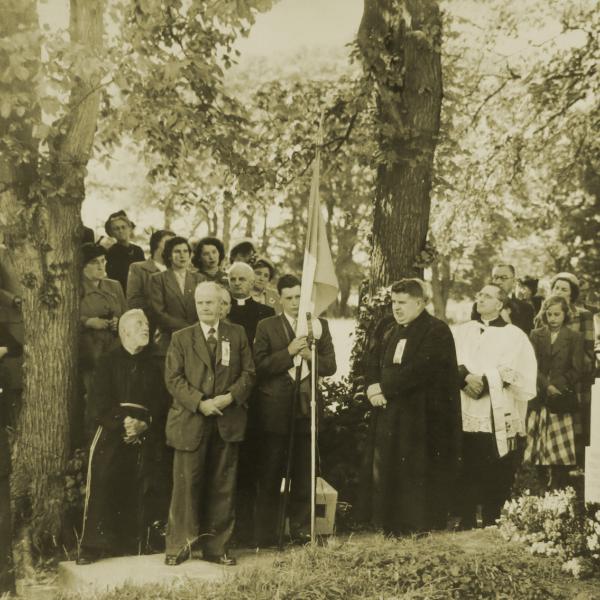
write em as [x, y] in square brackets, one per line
[241, 301]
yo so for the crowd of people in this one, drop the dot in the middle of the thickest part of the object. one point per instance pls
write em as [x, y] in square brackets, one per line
[188, 398]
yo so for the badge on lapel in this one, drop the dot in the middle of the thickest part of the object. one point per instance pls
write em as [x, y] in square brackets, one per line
[225, 352]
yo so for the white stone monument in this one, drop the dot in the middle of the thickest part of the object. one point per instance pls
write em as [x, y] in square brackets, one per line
[592, 452]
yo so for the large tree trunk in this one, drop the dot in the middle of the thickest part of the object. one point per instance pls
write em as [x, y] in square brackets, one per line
[41, 204]
[400, 47]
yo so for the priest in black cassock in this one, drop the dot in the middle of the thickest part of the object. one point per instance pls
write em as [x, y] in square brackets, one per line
[412, 384]
[128, 396]
[247, 312]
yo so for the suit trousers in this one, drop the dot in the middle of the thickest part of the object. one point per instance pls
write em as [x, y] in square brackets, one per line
[273, 453]
[202, 511]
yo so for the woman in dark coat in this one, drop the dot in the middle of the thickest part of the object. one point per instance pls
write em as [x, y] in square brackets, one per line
[550, 430]
[102, 303]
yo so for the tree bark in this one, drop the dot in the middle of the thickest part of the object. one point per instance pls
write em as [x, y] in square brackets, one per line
[400, 48]
[42, 208]
[227, 208]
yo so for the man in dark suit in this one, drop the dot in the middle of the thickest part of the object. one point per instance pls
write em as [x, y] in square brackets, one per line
[275, 346]
[412, 383]
[518, 312]
[209, 372]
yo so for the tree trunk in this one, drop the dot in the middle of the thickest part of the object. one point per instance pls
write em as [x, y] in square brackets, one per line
[400, 47]
[41, 205]
[227, 207]
[440, 285]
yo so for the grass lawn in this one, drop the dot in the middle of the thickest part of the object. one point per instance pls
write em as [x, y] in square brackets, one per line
[467, 565]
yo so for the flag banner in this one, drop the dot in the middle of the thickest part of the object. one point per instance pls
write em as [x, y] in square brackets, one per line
[319, 282]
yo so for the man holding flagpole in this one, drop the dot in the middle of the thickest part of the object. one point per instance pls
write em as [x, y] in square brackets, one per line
[275, 347]
[285, 350]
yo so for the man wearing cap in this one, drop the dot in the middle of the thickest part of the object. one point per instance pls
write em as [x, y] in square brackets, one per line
[127, 395]
[209, 372]
[123, 253]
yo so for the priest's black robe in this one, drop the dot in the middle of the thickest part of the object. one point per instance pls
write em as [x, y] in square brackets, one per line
[413, 460]
[122, 478]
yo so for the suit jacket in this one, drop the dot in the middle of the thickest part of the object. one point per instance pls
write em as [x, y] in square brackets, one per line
[561, 363]
[272, 359]
[248, 315]
[172, 310]
[191, 378]
[138, 284]
[118, 259]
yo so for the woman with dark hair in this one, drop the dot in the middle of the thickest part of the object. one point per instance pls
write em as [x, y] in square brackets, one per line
[172, 292]
[264, 271]
[550, 424]
[208, 257]
[527, 290]
[581, 320]
[138, 280]
[102, 303]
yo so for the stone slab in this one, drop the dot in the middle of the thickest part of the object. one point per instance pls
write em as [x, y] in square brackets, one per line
[592, 474]
[111, 573]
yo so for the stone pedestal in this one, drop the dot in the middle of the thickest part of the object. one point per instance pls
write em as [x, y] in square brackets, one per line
[592, 452]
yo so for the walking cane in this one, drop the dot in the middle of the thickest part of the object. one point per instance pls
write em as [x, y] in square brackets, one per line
[283, 508]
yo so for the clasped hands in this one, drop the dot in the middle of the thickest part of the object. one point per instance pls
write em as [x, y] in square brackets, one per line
[213, 407]
[99, 323]
[299, 346]
[133, 429]
[475, 383]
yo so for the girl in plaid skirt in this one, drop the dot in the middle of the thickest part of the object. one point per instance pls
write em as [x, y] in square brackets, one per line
[550, 433]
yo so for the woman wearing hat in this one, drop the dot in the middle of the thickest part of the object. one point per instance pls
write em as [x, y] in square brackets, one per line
[208, 258]
[102, 303]
[582, 320]
[122, 254]
[264, 271]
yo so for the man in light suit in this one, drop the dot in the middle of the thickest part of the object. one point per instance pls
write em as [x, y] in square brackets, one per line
[275, 347]
[209, 372]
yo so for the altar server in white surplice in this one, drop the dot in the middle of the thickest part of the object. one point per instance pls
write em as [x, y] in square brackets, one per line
[497, 371]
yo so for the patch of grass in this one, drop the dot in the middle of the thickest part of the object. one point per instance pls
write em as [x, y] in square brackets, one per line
[469, 566]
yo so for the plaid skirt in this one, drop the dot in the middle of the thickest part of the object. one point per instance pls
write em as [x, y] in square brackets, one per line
[550, 438]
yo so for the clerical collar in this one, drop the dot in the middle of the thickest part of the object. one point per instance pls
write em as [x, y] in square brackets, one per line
[242, 301]
[497, 322]
[206, 328]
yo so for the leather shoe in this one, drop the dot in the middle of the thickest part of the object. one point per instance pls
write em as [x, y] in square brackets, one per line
[224, 559]
[172, 560]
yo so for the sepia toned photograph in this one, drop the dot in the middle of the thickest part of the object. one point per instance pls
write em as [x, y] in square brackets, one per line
[299, 299]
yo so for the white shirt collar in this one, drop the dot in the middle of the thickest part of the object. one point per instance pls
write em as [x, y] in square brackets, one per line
[206, 328]
[291, 320]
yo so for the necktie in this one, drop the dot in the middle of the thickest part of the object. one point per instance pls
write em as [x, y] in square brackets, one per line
[294, 324]
[211, 341]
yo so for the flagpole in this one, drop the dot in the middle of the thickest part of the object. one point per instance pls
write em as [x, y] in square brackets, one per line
[313, 440]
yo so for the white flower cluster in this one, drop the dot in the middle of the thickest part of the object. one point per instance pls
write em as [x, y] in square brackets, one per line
[553, 526]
